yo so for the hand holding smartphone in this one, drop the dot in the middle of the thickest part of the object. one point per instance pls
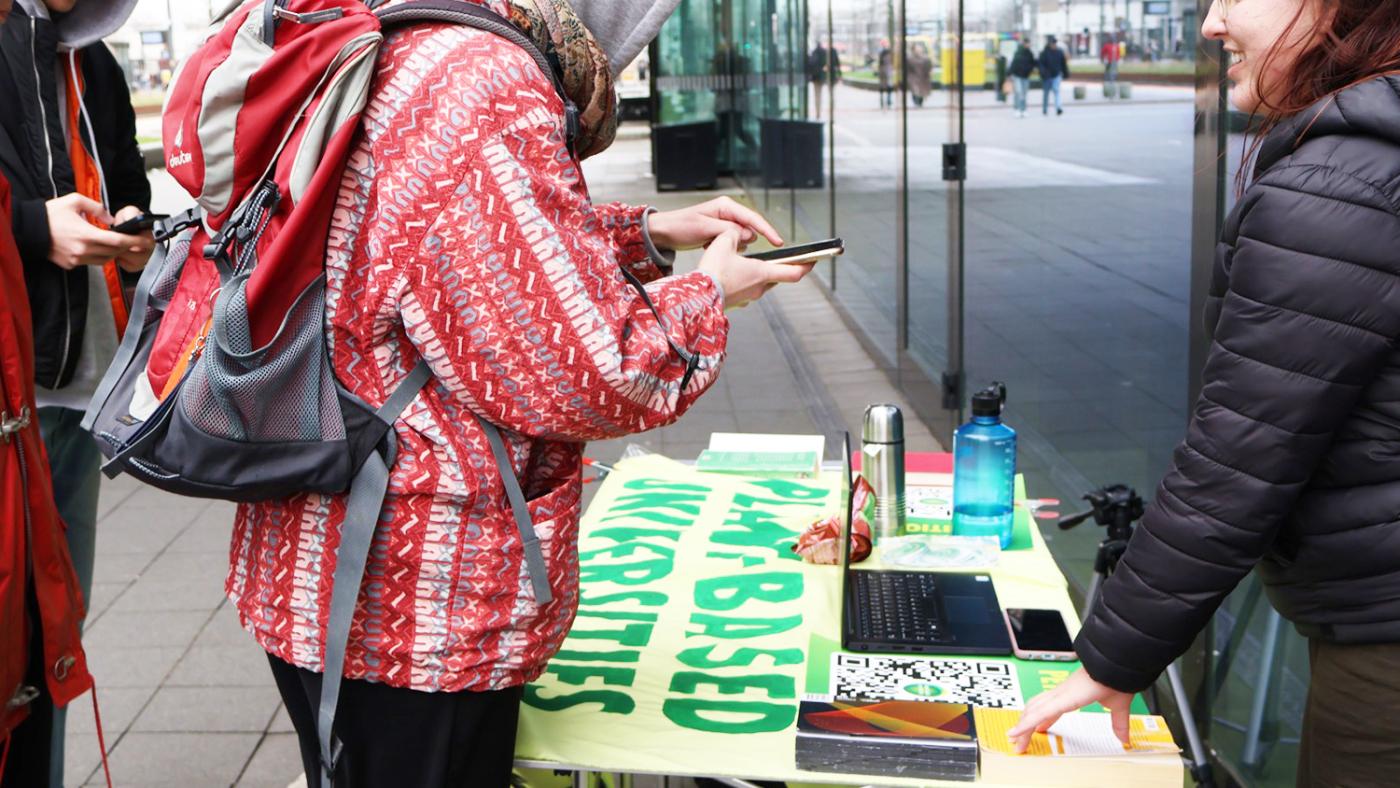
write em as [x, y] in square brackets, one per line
[803, 253]
[138, 224]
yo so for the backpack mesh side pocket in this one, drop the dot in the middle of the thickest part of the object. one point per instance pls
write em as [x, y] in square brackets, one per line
[281, 392]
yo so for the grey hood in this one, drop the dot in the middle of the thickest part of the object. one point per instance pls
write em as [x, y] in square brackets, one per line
[90, 21]
[623, 27]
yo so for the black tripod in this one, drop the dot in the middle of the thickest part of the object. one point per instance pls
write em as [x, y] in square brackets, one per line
[1118, 507]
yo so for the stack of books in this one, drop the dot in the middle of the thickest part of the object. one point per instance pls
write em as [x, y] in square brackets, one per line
[920, 739]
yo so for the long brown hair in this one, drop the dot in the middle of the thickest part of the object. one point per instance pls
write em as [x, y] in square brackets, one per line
[1355, 40]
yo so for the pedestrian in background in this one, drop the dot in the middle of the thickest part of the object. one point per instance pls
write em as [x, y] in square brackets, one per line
[514, 287]
[1054, 69]
[1110, 55]
[885, 73]
[1020, 70]
[823, 69]
[919, 73]
[75, 167]
[1289, 463]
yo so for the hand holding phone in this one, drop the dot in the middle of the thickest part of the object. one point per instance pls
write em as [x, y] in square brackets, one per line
[742, 279]
[803, 253]
[138, 224]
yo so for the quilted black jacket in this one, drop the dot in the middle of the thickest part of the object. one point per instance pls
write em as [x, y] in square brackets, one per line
[1291, 461]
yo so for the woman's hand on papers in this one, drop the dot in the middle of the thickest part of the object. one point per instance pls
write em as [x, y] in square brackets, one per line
[743, 279]
[1075, 692]
[698, 225]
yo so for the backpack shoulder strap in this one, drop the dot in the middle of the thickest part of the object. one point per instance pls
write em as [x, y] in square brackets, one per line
[362, 509]
[461, 12]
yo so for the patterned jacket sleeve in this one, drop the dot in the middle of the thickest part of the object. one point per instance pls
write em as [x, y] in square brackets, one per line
[517, 302]
[627, 226]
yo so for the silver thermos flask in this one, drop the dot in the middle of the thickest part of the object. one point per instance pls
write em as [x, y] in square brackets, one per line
[882, 464]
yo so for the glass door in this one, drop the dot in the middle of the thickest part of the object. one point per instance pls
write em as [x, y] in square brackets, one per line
[935, 70]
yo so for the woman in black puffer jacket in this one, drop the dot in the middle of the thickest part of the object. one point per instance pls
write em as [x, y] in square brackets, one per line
[1292, 458]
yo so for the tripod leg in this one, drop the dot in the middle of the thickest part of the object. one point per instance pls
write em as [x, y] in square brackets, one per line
[1200, 769]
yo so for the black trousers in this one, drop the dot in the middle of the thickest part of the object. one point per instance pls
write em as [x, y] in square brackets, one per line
[394, 737]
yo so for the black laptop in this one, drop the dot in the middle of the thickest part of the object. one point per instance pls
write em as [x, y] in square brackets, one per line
[895, 611]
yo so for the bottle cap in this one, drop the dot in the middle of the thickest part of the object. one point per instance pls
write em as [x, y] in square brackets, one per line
[883, 424]
[990, 400]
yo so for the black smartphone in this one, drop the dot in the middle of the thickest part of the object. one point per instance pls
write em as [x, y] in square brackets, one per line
[139, 223]
[1039, 634]
[803, 253]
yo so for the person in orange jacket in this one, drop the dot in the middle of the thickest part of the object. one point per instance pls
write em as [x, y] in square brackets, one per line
[42, 665]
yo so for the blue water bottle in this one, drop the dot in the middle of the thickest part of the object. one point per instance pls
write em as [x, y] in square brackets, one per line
[984, 470]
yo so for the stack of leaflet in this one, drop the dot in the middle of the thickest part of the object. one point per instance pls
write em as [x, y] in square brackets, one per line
[1080, 749]
[757, 454]
[898, 738]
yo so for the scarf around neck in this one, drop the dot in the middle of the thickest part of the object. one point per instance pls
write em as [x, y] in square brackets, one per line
[583, 65]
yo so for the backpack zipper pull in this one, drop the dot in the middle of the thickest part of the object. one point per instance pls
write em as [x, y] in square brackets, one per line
[308, 18]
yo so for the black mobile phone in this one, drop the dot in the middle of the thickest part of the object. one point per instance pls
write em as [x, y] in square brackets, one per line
[1039, 634]
[803, 253]
[139, 223]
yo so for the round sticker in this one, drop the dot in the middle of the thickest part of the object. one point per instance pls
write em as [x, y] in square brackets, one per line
[924, 690]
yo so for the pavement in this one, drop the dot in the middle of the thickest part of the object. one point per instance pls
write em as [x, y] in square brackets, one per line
[186, 696]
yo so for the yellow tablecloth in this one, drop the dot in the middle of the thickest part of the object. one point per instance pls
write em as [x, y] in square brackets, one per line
[697, 625]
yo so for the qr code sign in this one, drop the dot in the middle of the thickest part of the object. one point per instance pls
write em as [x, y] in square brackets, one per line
[974, 681]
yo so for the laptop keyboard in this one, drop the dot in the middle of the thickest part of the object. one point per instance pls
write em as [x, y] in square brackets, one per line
[897, 606]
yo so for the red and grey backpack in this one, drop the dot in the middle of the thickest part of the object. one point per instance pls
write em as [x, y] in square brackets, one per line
[222, 386]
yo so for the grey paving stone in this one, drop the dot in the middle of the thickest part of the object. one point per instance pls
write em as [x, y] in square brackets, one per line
[223, 629]
[281, 722]
[685, 450]
[189, 760]
[132, 666]
[117, 567]
[103, 594]
[209, 533]
[209, 709]
[115, 492]
[120, 628]
[275, 764]
[119, 706]
[81, 756]
[793, 420]
[154, 596]
[142, 531]
[230, 665]
[173, 566]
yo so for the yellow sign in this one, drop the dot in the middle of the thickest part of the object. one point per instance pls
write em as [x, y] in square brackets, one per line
[699, 629]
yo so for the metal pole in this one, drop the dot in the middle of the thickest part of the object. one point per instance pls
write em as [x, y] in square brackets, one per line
[1264, 678]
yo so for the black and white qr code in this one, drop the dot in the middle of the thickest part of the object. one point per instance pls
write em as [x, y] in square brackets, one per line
[978, 682]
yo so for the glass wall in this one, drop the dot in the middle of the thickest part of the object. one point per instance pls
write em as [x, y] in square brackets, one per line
[868, 159]
[1049, 246]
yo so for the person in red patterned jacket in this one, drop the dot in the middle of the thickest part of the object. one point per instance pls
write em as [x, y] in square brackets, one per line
[464, 234]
